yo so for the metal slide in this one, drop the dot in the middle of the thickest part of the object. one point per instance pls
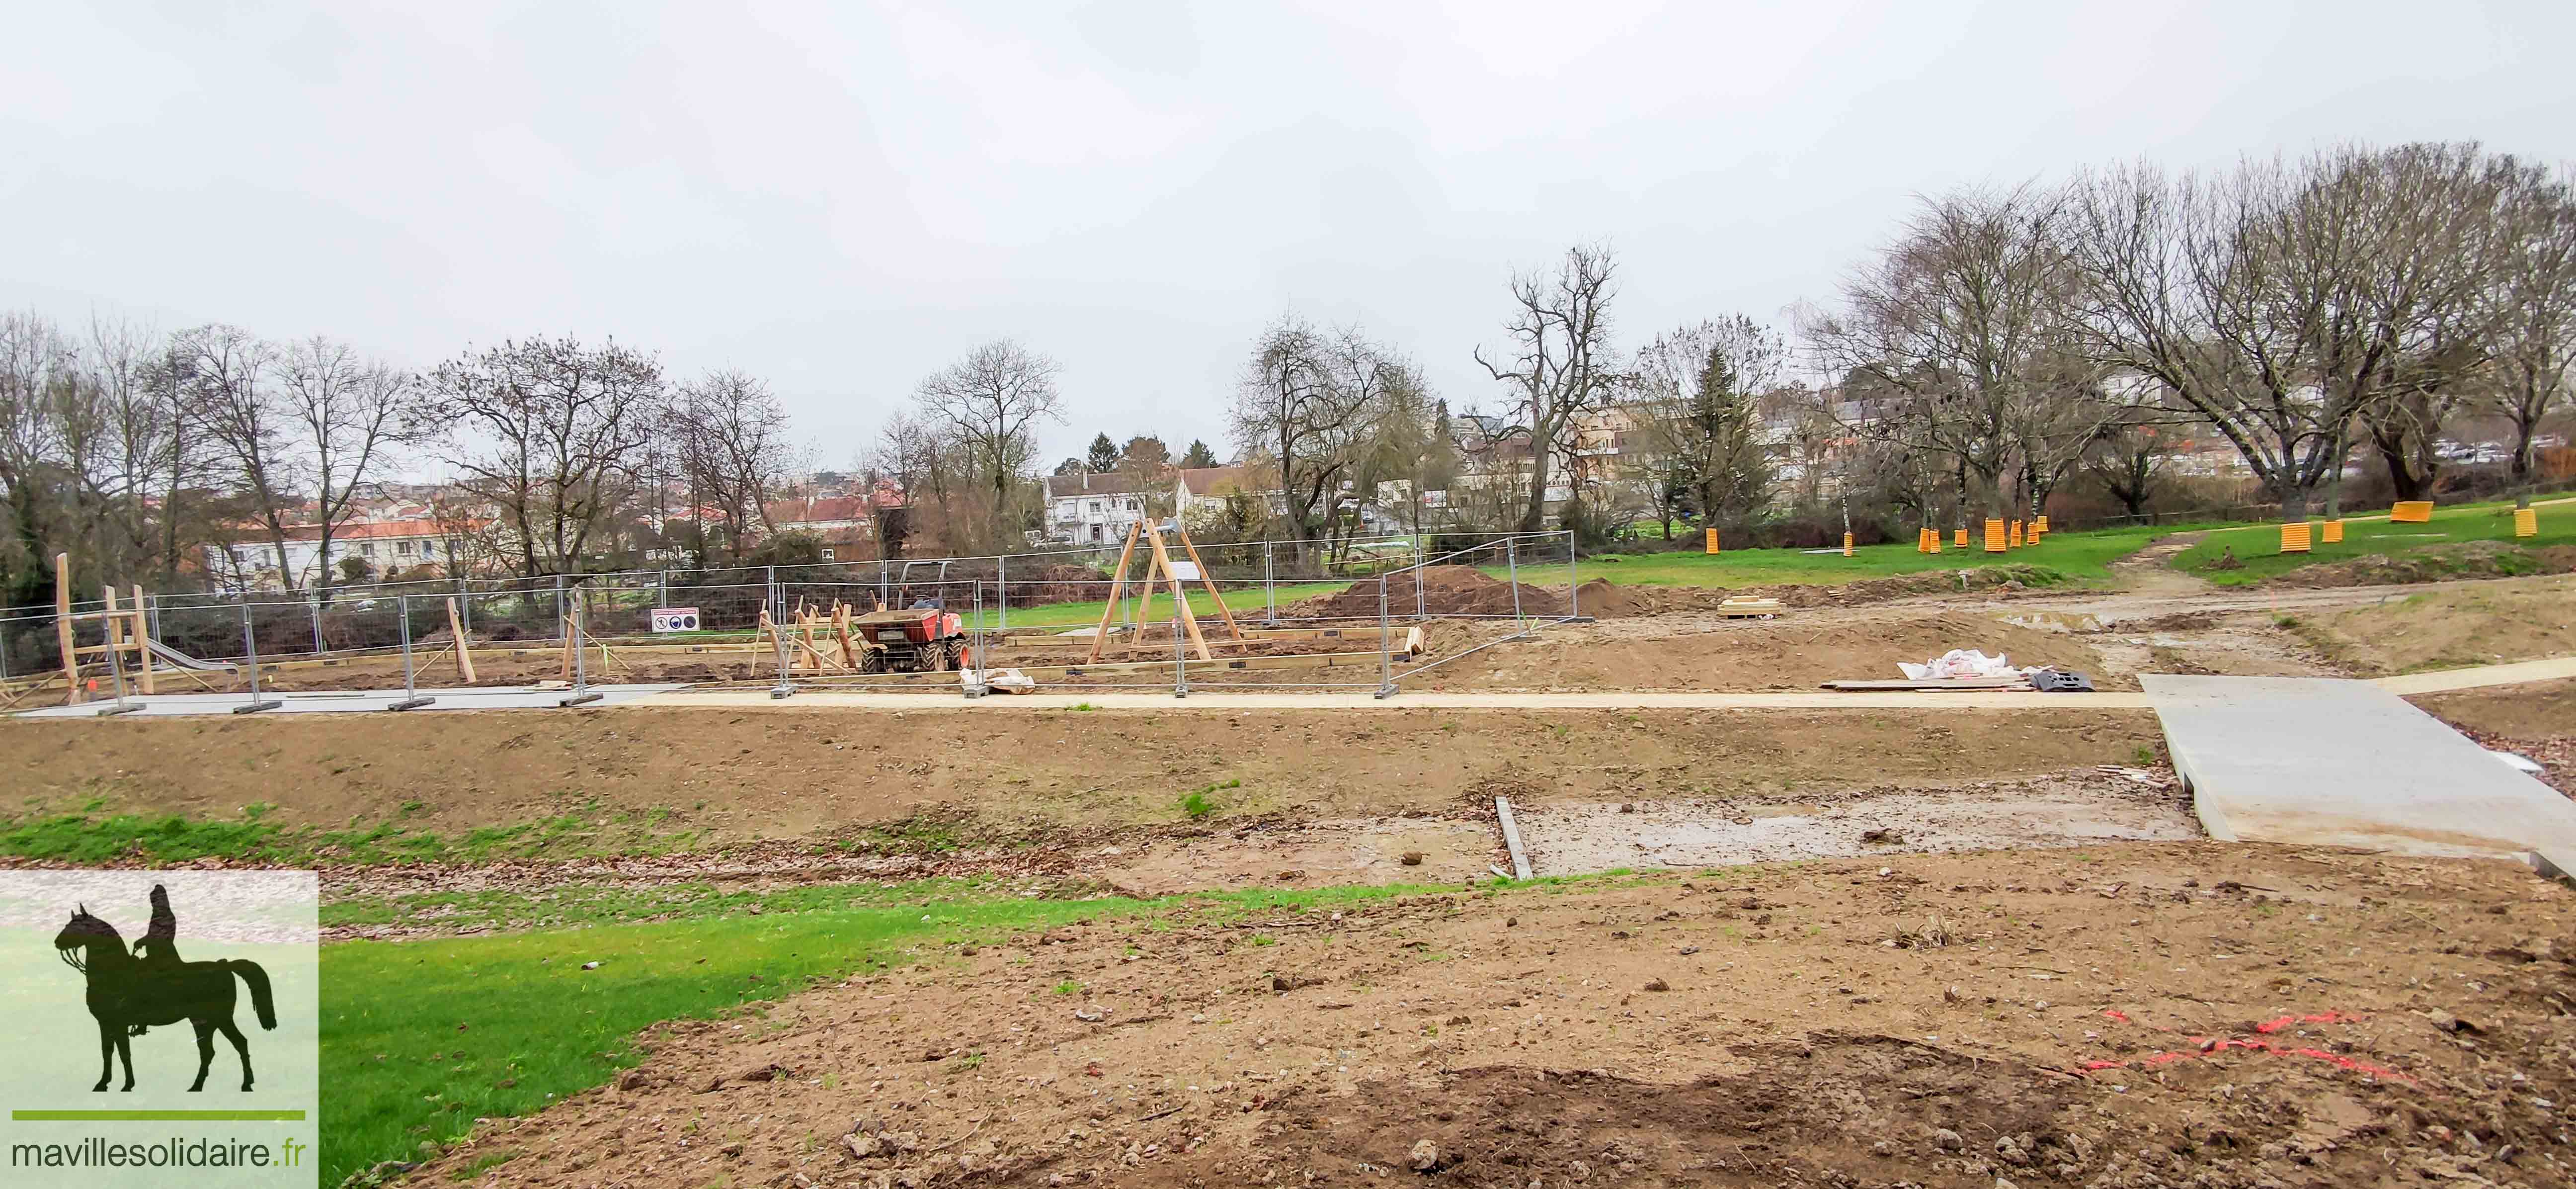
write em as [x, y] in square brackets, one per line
[185, 661]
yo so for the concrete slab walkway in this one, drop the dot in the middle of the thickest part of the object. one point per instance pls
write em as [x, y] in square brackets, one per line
[493, 697]
[2320, 761]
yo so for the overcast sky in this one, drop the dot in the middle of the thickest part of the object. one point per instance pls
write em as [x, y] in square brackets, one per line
[843, 197]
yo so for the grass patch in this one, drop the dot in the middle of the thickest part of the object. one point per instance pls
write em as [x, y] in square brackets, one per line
[1086, 614]
[419, 1039]
[91, 836]
[2076, 556]
[2259, 557]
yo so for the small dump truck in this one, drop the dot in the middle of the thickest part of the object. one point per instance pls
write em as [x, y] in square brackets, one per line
[919, 639]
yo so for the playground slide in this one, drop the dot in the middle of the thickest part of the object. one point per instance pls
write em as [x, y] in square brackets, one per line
[185, 661]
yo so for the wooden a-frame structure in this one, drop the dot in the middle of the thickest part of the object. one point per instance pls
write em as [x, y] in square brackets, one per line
[1160, 567]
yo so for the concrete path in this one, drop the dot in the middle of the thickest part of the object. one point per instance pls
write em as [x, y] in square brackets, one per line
[2320, 761]
[351, 701]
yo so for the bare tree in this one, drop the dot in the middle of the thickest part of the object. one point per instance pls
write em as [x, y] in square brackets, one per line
[733, 450]
[553, 435]
[2534, 338]
[245, 426]
[1952, 343]
[1306, 406]
[1700, 385]
[342, 415]
[1559, 363]
[2284, 304]
[992, 401]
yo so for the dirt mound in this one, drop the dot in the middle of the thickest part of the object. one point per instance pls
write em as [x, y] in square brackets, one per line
[1446, 590]
[2449, 627]
[2435, 563]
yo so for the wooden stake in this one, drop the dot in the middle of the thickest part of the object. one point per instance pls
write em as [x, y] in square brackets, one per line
[1180, 597]
[841, 628]
[567, 647]
[63, 629]
[142, 632]
[464, 651]
[1205, 580]
[1099, 638]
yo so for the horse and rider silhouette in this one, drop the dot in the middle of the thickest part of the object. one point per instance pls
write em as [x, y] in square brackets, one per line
[130, 991]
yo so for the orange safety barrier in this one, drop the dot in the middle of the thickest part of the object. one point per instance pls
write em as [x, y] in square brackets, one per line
[1847, 544]
[1995, 536]
[2014, 540]
[2526, 522]
[1712, 541]
[2294, 537]
[2411, 512]
[2040, 525]
[1962, 540]
[1934, 536]
[2331, 532]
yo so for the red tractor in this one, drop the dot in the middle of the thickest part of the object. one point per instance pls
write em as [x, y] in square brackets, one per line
[918, 639]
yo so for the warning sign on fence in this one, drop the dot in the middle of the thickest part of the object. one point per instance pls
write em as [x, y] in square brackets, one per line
[675, 619]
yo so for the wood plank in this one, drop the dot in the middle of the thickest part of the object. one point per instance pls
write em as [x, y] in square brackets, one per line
[1512, 838]
[464, 650]
[142, 656]
[63, 628]
[1180, 596]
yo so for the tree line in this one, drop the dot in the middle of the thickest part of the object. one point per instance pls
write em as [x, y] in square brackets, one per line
[165, 458]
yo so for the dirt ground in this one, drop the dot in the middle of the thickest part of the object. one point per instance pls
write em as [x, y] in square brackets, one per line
[2450, 626]
[740, 776]
[2135, 1016]
[1799, 651]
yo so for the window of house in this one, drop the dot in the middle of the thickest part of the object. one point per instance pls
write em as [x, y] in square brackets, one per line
[1094, 507]
[402, 549]
[368, 549]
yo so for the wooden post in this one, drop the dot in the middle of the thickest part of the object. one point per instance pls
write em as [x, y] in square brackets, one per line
[1204, 580]
[569, 645]
[464, 647]
[841, 628]
[1180, 597]
[1099, 638]
[142, 632]
[63, 629]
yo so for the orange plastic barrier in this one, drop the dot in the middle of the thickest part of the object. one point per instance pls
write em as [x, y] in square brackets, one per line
[1712, 541]
[2526, 522]
[1847, 544]
[2294, 537]
[2015, 540]
[1962, 540]
[1995, 536]
[2411, 512]
[2331, 532]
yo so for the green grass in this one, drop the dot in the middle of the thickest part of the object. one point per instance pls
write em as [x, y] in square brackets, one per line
[1086, 614]
[2077, 556]
[2259, 549]
[421, 1038]
[168, 839]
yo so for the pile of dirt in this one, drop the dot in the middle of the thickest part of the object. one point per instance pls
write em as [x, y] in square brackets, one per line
[2435, 563]
[1447, 590]
[2152, 1015]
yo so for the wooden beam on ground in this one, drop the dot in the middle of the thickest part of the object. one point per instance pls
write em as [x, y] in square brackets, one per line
[1117, 581]
[1180, 597]
[464, 648]
[63, 628]
[1204, 579]
[1512, 838]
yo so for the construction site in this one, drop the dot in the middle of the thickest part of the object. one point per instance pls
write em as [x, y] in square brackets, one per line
[1488, 865]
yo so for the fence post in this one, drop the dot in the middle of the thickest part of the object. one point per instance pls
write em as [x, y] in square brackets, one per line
[577, 630]
[662, 588]
[1269, 592]
[116, 672]
[778, 637]
[1573, 582]
[1180, 654]
[974, 649]
[314, 608]
[1001, 593]
[411, 699]
[1420, 609]
[1385, 645]
[885, 595]
[1512, 567]
[464, 608]
[559, 607]
[250, 658]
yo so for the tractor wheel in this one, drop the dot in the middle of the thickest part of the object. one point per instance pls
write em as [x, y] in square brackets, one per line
[956, 654]
[935, 658]
[872, 660]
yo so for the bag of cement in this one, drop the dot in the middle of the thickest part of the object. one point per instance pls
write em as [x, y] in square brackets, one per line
[1959, 662]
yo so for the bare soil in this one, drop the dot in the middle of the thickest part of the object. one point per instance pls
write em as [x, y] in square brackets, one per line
[2147, 1015]
[2434, 563]
[2450, 627]
[741, 776]
[1798, 651]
